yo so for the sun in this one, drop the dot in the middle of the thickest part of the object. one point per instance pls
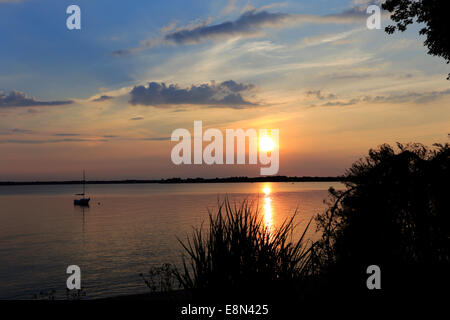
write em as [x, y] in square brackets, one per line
[266, 144]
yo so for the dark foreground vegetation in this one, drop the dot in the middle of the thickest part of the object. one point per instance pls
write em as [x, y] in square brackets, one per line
[238, 256]
[394, 213]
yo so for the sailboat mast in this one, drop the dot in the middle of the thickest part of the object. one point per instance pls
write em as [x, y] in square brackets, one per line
[84, 183]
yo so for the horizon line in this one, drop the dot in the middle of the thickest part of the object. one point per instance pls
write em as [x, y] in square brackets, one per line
[176, 180]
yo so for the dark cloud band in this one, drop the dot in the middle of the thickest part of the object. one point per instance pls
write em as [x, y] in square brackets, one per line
[227, 93]
[247, 23]
[19, 99]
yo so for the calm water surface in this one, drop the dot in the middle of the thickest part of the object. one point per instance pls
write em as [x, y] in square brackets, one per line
[126, 230]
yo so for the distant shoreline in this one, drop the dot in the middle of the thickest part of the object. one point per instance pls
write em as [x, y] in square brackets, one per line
[180, 180]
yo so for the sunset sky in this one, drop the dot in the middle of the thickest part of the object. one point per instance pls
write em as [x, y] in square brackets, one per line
[106, 98]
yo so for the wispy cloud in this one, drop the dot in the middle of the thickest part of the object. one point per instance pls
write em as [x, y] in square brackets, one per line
[250, 23]
[102, 98]
[66, 134]
[247, 24]
[341, 103]
[231, 6]
[26, 141]
[334, 38]
[414, 97]
[157, 139]
[355, 13]
[19, 99]
[320, 95]
[21, 131]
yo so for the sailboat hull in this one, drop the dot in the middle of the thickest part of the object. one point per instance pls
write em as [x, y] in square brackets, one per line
[82, 202]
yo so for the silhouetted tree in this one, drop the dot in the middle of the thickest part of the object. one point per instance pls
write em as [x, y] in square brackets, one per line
[433, 13]
[394, 213]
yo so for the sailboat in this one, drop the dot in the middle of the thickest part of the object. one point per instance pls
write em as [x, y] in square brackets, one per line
[83, 201]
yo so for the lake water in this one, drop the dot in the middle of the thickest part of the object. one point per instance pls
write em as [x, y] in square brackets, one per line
[126, 230]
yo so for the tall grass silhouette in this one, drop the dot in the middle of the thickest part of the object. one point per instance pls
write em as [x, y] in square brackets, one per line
[237, 254]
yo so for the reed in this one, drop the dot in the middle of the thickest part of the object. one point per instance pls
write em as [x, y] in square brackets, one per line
[236, 253]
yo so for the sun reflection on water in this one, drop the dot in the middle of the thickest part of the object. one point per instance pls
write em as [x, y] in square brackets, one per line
[268, 219]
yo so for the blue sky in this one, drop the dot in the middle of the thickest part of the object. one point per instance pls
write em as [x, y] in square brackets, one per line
[45, 59]
[309, 67]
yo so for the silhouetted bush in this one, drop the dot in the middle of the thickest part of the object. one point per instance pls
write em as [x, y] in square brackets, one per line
[236, 255]
[394, 213]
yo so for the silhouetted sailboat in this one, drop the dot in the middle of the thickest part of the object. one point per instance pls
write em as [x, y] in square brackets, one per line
[83, 201]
